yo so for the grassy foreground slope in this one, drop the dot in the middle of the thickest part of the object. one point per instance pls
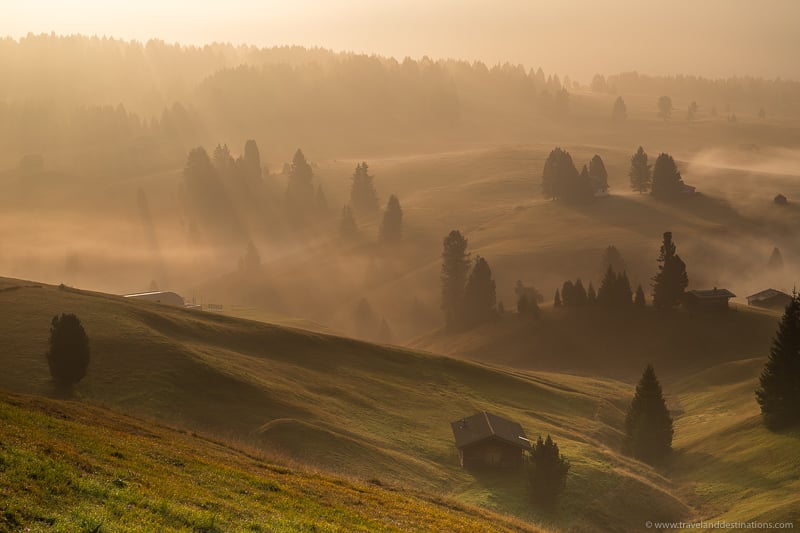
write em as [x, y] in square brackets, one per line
[364, 410]
[736, 468]
[70, 467]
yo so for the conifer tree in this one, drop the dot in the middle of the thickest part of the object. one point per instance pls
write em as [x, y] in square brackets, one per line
[640, 172]
[671, 280]
[251, 261]
[639, 300]
[557, 299]
[622, 290]
[251, 163]
[455, 268]
[480, 295]
[567, 294]
[613, 258]
[620, 111]
[598, 174]
[648, 424]
[591, 295]
[667, 182]
[775, 260]
[560, 178]
[299, 188]
[68, 353]
[363, 197]
[547, 471]
[579, 294]
[348, 229]
[392, 226]
[665, 107]
[779, 384]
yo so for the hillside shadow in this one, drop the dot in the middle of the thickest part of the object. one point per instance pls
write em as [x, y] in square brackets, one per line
[646, 215]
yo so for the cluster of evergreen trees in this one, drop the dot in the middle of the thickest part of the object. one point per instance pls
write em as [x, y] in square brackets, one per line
[547, 471]
[469, 294]
[663, 180]
[614, 292]
[364, 204]
[561, 180]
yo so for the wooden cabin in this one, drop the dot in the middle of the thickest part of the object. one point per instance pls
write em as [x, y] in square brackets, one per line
[708, 300]
[770, 299]
[485, 439]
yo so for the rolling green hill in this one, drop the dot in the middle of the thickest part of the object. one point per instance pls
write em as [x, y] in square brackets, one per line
[382, 414]
[66, 466]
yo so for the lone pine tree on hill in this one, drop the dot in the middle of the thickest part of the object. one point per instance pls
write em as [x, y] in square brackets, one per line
[598, 174]
[639, 173]
[392, 226]
[779, 385]
[455, 268]
[68, 353]
[480, 295]
[648, 424]
[363, 197]
[671, 280]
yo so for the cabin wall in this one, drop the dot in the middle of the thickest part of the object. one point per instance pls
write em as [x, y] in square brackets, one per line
[493, 453]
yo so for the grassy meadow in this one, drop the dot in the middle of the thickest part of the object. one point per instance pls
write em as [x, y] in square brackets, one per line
[378, 413]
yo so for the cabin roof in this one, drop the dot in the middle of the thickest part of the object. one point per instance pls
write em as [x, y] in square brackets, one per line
[765, 294]
[484, 425]
[709, 294]
[151, 293]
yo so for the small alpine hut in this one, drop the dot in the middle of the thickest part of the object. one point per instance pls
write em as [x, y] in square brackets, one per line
[161, 297]
[485, 439]
[708, 300]
[770, 299]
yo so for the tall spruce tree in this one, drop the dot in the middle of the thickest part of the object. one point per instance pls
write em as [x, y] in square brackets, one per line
[299, 188]
[639, 173]
[363, 197]
[591, 295]
[648, 424]
[251, 163]
[391, 229]
[667, 182]
[557, 299]
[455, 268]
[598, 174]
[480, 295]
[613, 258]
[671, 280]
[779, 385]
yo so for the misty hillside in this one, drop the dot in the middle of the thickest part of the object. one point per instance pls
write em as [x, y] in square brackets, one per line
[371, 411]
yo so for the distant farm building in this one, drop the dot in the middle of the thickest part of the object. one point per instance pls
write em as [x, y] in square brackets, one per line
[708, 300]
[485, 439]
[161, 297]
[769, 299]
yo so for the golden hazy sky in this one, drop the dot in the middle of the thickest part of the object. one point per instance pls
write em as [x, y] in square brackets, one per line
[573, 37]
